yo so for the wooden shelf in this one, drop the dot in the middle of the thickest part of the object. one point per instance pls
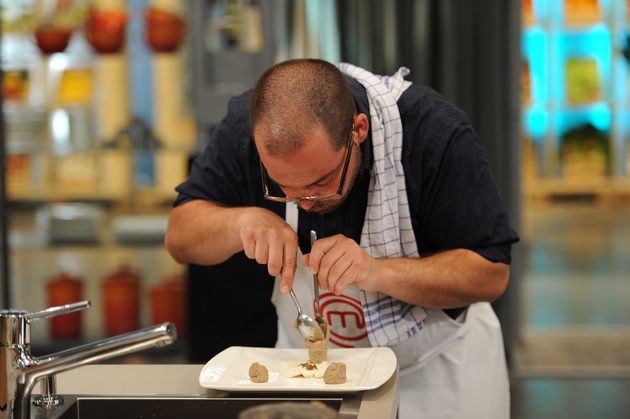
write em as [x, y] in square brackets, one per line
[603, 187]
[149, 196]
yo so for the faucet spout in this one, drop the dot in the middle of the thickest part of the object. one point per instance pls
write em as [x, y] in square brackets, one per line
[102, 350]
[24, 371]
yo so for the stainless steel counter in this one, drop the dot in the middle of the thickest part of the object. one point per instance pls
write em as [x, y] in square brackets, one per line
[183, 379]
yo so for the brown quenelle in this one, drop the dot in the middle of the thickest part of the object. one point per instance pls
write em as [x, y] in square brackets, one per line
[335, 373]
[258, 373]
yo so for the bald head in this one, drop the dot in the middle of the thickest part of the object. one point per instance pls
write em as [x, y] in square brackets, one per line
[299, 96]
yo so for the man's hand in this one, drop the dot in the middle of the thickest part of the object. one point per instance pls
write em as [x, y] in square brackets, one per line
[269, 240]
[339, 261]
[205, 233]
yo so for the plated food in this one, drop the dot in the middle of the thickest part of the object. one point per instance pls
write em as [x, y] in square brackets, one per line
[367, 368]
[315, 367]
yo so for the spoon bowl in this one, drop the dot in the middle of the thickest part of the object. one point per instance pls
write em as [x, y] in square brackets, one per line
[306, 325]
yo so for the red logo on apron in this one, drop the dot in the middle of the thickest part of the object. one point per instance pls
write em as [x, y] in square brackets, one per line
[345, 318]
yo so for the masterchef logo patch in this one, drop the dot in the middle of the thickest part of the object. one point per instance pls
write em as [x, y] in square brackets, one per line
[345, 317]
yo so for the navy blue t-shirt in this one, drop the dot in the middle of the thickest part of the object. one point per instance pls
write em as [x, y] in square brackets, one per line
[453, 198]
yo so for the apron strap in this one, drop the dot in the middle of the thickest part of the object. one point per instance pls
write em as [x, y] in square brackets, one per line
[288, 337]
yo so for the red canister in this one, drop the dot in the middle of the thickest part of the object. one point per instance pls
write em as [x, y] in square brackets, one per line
[62, 289]
[168, 303]
[165, 30]
[105, 30]
[121, 300]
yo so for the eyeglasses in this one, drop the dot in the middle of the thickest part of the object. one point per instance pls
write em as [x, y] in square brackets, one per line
[297, 200]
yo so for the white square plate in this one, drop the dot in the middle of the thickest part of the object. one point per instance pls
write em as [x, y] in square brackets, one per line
[366, 369]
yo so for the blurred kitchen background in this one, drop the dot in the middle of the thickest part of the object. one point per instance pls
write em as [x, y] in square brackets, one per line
[105, 102]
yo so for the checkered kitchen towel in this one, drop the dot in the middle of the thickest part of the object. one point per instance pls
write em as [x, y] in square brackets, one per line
[387, 230]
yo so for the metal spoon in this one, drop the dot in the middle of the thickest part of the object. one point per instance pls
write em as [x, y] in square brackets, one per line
[318, 317]
[306, 325]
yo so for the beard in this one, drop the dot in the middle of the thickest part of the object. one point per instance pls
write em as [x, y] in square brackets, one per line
[328, 206]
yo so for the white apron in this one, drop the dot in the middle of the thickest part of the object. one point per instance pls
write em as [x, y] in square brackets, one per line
[450, 369]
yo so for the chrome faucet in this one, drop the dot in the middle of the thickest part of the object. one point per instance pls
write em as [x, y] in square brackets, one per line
[22, 371]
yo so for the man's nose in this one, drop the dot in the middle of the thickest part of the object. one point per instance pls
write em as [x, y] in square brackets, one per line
[306, 205]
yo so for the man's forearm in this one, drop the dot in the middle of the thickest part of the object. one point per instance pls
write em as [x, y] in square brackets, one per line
[449, 279]
[203, 233]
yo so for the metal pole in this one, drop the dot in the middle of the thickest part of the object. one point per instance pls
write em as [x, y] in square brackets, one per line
[4, 224]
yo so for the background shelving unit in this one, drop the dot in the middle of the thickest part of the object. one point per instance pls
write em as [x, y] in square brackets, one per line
[86, 124]
[575, 97]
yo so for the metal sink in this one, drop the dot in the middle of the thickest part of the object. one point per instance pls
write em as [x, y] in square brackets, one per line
[188, 407]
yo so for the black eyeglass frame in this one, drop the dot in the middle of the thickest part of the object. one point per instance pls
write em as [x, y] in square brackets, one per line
[325, 197]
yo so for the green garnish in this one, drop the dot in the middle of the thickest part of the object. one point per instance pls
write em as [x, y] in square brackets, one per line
[309, 365]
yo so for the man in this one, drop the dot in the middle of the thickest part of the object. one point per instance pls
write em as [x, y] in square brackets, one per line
[414, 240]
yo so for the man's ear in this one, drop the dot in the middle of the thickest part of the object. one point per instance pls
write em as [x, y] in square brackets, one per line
[361, 127]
